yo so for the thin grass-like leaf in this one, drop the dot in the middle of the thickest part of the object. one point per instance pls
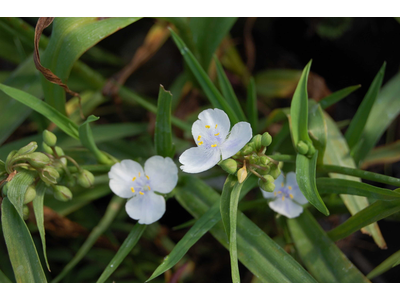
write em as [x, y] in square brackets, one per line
[385, 266]
[337, 96]
[4, 278]
[386, 154]
[17, 188]
[317, 129]
[163, 132]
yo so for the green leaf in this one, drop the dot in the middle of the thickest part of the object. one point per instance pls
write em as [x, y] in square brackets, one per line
[337, 153]
[207, 35]
[386, 154]
[21, 248]
[305, 176]
[317, 129]
[337, 96]
[258, 252]
[373, 213]
[4, 278]
[113, 208]
[227, 91]
[319, 254]
[87, 140]
[43, 108]
[356, 127]
[39, 216]
[251, 105]
[126, 247]
[70, 38]
[17, 188]
[278, 83]
[299, 109]
[386, 265]
[206, 84]
[163, 132]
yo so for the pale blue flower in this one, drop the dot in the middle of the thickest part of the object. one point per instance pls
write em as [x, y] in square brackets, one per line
[287, 196]
[214, 141]
[129, 180]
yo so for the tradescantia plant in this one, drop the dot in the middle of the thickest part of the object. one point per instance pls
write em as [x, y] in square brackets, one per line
[277, 184]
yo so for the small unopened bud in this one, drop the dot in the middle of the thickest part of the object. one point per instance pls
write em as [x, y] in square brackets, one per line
[62, 193]
[264, 161]
[25, 212]
[60, 152]
[274, 171]
[311, 150]
[49, 138]
[31, 147]
[47, 149]
[302, 148]
[247, 150]
[49, 175]
[38, 160]
[267, 184]
[256, 140]
[242, 174]
[85, 179]
[254, 159]
[229, 165]
[264, 171]
[30, 194]
[266, 139]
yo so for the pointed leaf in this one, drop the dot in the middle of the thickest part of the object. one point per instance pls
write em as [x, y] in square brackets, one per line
[163, 132]
[337, 96]
[385, 266]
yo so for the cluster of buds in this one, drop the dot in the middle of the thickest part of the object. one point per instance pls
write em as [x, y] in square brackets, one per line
[252, 159]
[51, 167]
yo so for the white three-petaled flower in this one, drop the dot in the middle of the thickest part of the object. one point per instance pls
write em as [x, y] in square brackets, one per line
[128, 180]
[211, 133]
[287, 196]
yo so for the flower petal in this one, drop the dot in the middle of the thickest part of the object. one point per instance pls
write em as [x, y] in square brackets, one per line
[162, 173]
[279, 182]
[241, 133]
[121, 175]
[146, 208]
[286, 207]
[216, 118]
[198, 159]
[295, 190]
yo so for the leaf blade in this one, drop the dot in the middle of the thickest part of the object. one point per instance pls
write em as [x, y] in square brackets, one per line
[163, 132]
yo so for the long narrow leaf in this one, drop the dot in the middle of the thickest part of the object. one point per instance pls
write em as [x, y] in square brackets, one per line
[163, 131]
[317, 129]
[337, 96]
[386, 154]
[4, 278]
[17, 188]
[386, 265]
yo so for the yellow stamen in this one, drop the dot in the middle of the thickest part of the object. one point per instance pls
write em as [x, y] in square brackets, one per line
[289, 187]
[282, 185]
[283, 198]
[134, 178]
[274, 193]
[207, 126]
[279, 192]
[291, 196]
[141, 193]
[139, 174]
[201, 143]
[215, 145]
[216, 134]
[132, 189]
[149, 188]
[148, 178]
[199, 138]
[216, 126]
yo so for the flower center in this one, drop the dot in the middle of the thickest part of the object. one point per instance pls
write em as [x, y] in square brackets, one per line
[140, 184]
[211, 137]
[284, 192]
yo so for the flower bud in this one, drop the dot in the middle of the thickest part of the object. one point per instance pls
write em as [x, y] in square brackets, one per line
[266, 139]
[274, 171]
[60, 152]
[31, 147]
[49, 175]
[86, 179]
[302, 147]
[254, 159]
[241, 174]
[247, 150]
[256, 140]
[311, 149]
[38, 160]
[264, 161]
[30, 194]
[47, 149]
[62, 193]
[267, 184]
[25, 212]
[264, 172]
[229, 165]
[49, 138]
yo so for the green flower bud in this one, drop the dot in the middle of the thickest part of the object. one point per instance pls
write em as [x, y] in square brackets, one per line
[5, 189]
[60, 152]
[311, 149]
[254, 159]
[85, 179]
[264, 161]
[49, 175]
[266, 139]
[264, 172]
[256, 140]
[62, 193]
[274, 171]
[25, 212]
[242, 174]
[30, 194]
[31, 147]
[47, 149]
[302, 147]
[229, 165]
[267, 184]
[247, 150]
[38, 160]
[49, 138]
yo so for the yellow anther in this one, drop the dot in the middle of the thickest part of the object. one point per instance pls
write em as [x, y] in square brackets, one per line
[289, 187]
[282, 185]
[279, 192]
[215, 145]
[141, 193]
[149, 188]
[199, 138]
[291, 196]
[216, 126]
[274, 193]
[132, 189]
[139, 174]
[216, 134]
[201, 143]
[207, 126]
[133, 179]
[148, 178]
[283, 198]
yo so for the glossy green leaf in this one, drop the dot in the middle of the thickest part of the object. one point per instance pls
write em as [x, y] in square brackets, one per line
[373, 213]
[228, 92]
[70, 38]
[21, 248]
[112, 210]
[87, 140]
[305, 175]
[39, 216]
[299, 109]
[337, 96]
[258, 252]
[17, 188]
[126, 247]
[386, 154]
[206, 84]
[319, 254]
[317, 129]
[337, 153]
[163, 132]
[386, 265]
[43, 108]
[251, 105]
[356, 127]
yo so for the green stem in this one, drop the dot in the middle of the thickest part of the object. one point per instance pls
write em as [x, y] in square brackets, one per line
[283, 157]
